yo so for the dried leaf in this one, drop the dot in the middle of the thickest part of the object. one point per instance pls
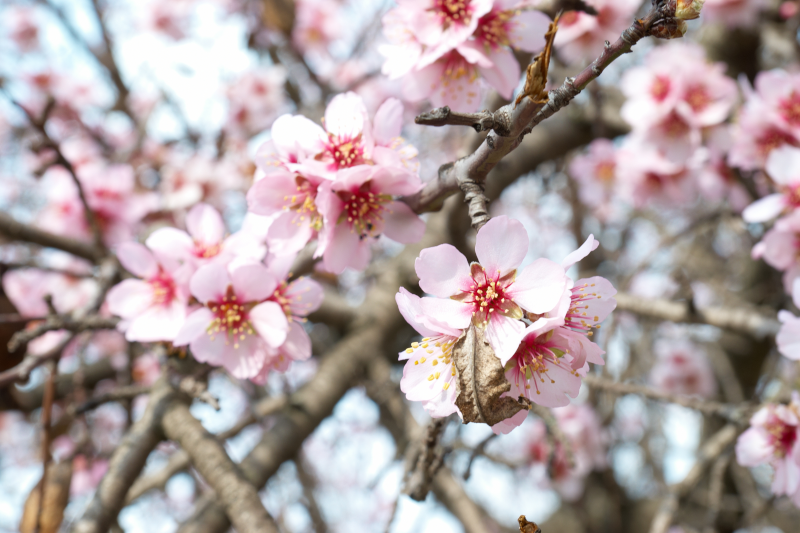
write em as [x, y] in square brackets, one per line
[527, 527]
[56, 497]
[536, 78]
[482, 381]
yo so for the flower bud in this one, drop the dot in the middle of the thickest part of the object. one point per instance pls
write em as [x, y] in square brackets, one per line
[688, 9]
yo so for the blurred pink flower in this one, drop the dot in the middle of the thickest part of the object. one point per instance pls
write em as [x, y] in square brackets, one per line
[783, 166]
[581, 36]
[154, 307]
[86, 474]
[254, 100]
[773, 438]
[769, 119]
[22, 27]
[317, 23]
[788, 338]
[205, 240]
[490, 294]
[780, 248]
[646, 175]
[733, 13]
[429, 375]
[236, 326]
[682, 367]
[595, 173]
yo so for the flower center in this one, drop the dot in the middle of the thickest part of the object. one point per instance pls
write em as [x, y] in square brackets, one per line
[163, 288]
[605, 171]
[790, 108]
[280, 297]
[793, 196]
[773, 139]
[660, 88]
[364, 211]
[230, 319]
[492, 29]
[346, 152]
[783, 436]
[452, 12]
[424, 354]
[206, 251]
[577, 318]
[303, 204]
[698, 98]
[535, 357]
[488, 295]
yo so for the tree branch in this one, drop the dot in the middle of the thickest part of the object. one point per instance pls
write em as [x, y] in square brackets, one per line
[61, 322]
[17, 231]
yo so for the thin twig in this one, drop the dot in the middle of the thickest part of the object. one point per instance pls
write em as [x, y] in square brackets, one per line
[47, 415]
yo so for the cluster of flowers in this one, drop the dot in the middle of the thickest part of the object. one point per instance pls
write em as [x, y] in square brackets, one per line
[677, 106]
[336, 184]
[224, 297]
[537, 321]
[442, 48]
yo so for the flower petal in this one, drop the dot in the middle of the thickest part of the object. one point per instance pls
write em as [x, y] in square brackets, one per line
[501, 245]
[205, 224]
[764, 209]
[539, 287]
[270, 322]
[401, 224]
[443, 271]
[195, 326]
[504, 335]
[585, 249]
[137, 260]
[130, 298]
[210, 282]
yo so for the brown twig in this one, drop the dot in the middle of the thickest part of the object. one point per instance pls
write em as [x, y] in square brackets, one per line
[22, 371]
[120, 393]
[18, 231]
[47, 416]
[425, 460]
[61, 322]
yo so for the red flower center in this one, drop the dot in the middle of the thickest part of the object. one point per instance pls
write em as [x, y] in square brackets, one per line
[492, 29]
[364, 210]
[452, 11]
[345, 151]
[790, 108]
[164, 288]
[230, 319]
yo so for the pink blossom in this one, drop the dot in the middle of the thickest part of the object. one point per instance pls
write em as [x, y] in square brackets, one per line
[556, 349]
[317, 23]
[780, 248]
[236, 326]
[646, 175]
[716, 179]
[773, 438]
[86, 474]
[491, 294]
[769, 119]
[582, 428]
[154, 307]
[205, 240]
[255, 99]
[22, 26]
[682, 368]
[733, 13]
[358, 206]
[27, 288]
[198, 178]
[595, 173]
[441, 48]
[429, 375]
[580, 35]
[169, 18]
[783, 166]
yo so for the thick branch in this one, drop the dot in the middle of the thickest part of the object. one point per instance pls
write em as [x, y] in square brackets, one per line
[734, 319]
[235, 494]
[17, 231]
[126, 463]
[22, 371]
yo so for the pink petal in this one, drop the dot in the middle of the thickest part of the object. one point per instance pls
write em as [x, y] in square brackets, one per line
[305, 296]
[270, 322]
[764, 209]
[504, 73]
[422, 380]
[501, 245]
[137, 260]
[509, 424]
[753, 447]
[253, 283]
[171, 242]
[788, 338]
[159, 323]
[205, 224]
[783, 165]
[346, 115]
[388, 122]
[195, 326]
[298, 344]
[243, 362]
[396, 181]
[443, 271]
[504, 335]
[346, 250]
[210, 282]
[269, 195]
[585, 249]
[402, 224]
[419, 85]
[527, 30]
[411, 308]
[449, 312]
[539, 287]
[558, 383]
[286, 236]
[130, 298]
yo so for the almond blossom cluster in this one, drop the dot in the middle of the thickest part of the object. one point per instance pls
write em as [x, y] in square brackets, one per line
[537, 320]
[442, 49]
[224, 297]
[336, 183]
[677, 105]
